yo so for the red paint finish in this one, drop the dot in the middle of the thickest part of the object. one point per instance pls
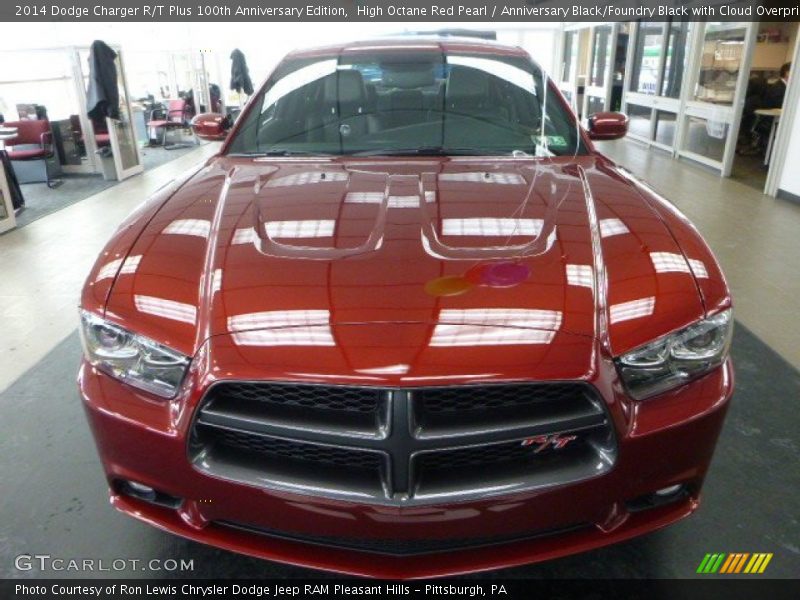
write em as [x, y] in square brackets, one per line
[210, 126]
[593, 258]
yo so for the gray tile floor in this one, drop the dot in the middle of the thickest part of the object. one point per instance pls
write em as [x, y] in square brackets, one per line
[756, 239]
[43, 265]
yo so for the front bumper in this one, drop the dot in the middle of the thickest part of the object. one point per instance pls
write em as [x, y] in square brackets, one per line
[661, 442]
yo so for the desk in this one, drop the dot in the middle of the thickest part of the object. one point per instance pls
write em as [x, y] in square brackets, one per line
[775, 114]
[9, 133]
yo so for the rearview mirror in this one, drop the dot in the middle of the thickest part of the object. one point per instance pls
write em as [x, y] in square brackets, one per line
[607, 126]
[211, 126]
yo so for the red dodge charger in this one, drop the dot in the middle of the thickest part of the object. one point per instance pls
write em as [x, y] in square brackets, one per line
[407, 323]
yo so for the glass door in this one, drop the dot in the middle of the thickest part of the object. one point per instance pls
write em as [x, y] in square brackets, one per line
[7, 218]
[121, 131]
[568, 80]
[575, 42]
[597, 94]
[715, 98]
[657, 62]
[90, 163]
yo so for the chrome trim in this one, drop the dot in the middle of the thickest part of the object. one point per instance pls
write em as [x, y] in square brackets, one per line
[403, 441]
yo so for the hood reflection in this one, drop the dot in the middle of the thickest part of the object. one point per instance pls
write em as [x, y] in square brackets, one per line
[612, 227]
[492, 227]
[306, 178]
[311, 228]
[196, 227]
[635, 309]
[580, 275]
[484, 177]
[495, 327]
[166, 309]
[109, 270]
[282, 328]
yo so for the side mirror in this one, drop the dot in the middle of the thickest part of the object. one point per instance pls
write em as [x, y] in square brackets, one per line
[211, 126]
[608, 126]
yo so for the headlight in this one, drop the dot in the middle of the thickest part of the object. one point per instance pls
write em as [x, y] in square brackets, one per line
[132, 358]
[677, 358]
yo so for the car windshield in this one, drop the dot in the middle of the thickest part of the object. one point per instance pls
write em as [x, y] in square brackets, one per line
[410, 102]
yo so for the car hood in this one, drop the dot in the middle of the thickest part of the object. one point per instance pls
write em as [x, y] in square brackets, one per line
[528, 257]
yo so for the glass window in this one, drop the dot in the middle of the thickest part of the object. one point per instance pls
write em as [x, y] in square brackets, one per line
[665, 127]
[417, 102]
[3, 209]
[706, 138]
[675, 60]
[595, 104]
[37, 77]
[123, 128]
[601, 55]
[723, 48]
[639, 120]
[646, 55]
[570, 55]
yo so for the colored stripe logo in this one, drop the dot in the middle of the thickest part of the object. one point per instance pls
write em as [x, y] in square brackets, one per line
[737, 562]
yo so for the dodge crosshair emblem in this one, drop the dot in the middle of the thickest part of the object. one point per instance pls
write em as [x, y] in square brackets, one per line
[556, 441]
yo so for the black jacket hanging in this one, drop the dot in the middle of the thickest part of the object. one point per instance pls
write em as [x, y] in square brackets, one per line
[102, 97]
[240, 76]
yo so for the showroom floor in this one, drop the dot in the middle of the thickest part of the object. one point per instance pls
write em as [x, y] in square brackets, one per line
[40, 200]
[754, 237]
[58, 498]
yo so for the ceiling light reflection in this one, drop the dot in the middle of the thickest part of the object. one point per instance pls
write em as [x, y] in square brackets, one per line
[634, 309]
[484, 177]
[318, 335]
[495, 327]
[580, 275]
[491, 227]
[278, 318]
[167, 309]
[669, 262]
[216, 281]
[611, 227]
[246, 235]
[110, 269]
[306, 178]
[282, 328]
[311, 228]
[445, 335]
[698, 268]
[196, 227]
[387, 370]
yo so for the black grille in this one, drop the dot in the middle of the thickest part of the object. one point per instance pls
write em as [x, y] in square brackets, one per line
[481, 398]
[287, 449]
[349, 399]
[517, 452]
[402, 446]
[400, 547]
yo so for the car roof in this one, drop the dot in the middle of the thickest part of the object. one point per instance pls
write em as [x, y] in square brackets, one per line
[444, 43]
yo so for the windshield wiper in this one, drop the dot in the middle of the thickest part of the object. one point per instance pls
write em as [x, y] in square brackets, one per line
[423, 151]
[278, 152]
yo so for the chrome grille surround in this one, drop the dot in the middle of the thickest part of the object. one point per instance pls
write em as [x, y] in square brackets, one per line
[401, 452]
